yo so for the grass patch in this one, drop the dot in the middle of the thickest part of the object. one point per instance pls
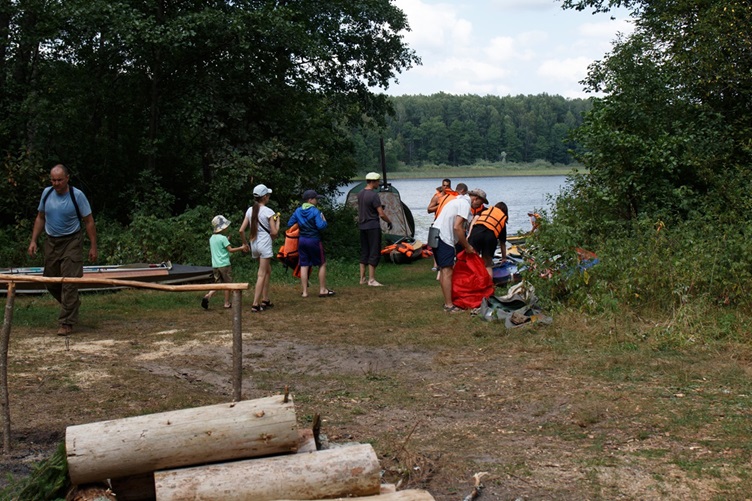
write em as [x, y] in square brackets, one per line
[591, 404]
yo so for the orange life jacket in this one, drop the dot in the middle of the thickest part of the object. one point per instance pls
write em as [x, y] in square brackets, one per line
[444, 199]
[403, 247]
[494, 219]
[478, 211]
[288, 252]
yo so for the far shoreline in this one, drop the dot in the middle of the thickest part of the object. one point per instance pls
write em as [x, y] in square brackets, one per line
[474, 172]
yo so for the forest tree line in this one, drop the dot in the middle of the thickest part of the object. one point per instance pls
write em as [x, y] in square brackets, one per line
[455, 130]
[157, 107]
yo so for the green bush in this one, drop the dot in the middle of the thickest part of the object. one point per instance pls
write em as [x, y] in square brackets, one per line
[681, 270]
[180, 239]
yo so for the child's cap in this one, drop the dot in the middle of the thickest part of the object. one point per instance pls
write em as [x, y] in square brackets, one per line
[309, 194]
[220, 223]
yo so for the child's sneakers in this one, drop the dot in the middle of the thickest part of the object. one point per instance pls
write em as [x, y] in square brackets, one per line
[205, 303]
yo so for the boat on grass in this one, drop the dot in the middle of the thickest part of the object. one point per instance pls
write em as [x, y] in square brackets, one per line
[506, 271]
[162, 273]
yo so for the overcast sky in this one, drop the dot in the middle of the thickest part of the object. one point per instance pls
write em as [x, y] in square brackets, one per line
[503, 47]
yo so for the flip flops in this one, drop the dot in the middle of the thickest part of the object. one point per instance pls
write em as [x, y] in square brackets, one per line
[453, 309]
[328, 293]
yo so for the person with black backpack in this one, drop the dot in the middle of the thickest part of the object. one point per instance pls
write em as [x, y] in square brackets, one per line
[61, 212]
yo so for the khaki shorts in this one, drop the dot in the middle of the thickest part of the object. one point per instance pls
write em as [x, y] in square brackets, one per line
[223, 275]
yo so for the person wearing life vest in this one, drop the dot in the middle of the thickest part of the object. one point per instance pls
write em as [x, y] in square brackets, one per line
[447, 196]
[489, 231]
[534, 220]
[446, 184]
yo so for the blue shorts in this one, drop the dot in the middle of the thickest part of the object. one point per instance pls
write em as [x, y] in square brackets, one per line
[311, 252]
[444, 255]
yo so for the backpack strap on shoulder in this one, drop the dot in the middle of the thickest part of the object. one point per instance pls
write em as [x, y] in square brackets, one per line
[72, 196]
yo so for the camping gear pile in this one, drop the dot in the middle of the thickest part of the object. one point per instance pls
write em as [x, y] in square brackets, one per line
[516, 308]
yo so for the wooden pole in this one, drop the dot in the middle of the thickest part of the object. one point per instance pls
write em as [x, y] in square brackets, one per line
[237, 345]
[342, 472]
[124, 283]
[140, 444]
[4, 343]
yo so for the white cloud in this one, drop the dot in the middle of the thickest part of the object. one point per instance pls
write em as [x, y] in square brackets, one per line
[525, 5]
[502, 46]
[605, 29]
[500, 49]
[570, 70]
[434, 27]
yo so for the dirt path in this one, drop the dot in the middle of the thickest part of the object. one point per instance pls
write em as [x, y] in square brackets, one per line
[440, 398]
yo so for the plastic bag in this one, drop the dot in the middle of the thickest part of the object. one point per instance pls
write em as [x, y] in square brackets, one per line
[470, 281]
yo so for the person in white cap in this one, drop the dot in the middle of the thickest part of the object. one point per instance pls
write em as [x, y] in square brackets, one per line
[263, 226]
[220, 248]
[370, 211]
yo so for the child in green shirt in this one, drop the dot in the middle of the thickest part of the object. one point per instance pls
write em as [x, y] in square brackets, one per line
[220, 253]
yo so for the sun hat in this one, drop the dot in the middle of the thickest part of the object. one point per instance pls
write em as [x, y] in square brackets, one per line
[261, 190]
[373, 176]
[220, 223]
[477, 192]
[309, 194]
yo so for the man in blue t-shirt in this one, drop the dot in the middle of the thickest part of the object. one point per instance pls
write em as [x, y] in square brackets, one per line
[61, 210]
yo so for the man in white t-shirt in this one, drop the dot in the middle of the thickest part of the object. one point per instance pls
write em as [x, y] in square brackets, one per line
[452, 223]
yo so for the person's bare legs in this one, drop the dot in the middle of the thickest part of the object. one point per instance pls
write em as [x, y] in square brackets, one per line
[488, 260]
[363, 279]
[445, 279]
[372, 276]
[261, 292]
[322, 279]
[304, 270]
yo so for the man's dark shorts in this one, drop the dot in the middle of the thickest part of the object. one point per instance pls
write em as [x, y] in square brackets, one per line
[370, 246]
[444, 255]
[483, 240]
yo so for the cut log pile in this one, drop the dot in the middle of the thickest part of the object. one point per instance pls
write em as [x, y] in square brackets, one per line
[247, 450]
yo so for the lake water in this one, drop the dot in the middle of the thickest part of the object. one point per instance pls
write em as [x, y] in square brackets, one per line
[521, 194]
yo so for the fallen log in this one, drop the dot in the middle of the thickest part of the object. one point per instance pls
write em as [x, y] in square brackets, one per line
[142, 444]
[141, 487]
[406, 495]
[342, 472]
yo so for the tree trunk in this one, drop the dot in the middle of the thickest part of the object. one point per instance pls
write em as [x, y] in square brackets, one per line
[342, 472]
[188, 437]
[141, 487]
[406, 495]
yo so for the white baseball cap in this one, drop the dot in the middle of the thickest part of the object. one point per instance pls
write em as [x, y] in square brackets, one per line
[261, 190]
